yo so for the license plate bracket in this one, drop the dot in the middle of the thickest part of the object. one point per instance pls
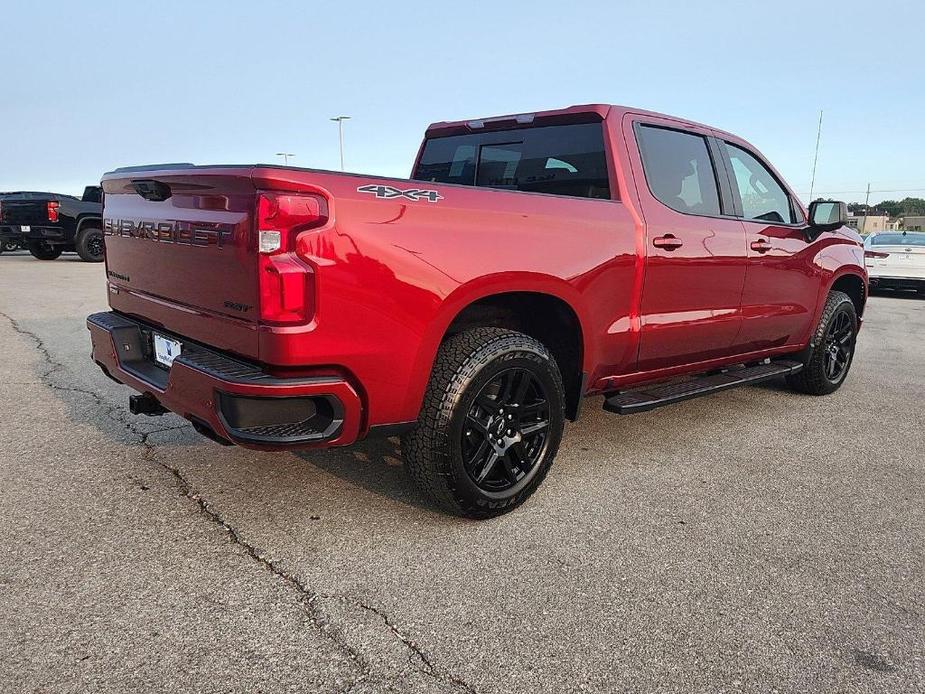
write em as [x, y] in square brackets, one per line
[165, 349]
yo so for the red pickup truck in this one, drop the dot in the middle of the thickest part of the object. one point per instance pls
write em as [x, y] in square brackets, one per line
[531, 260]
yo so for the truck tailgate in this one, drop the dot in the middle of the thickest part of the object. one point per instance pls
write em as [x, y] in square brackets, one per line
[14, 211]
[180, 249]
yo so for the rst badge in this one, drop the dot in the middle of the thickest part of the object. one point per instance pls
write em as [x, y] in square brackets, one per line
[390, 193]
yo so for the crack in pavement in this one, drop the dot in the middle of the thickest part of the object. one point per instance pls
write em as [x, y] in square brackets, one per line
[114, 412]
[307, 597]
[427, 667]
[315, 615]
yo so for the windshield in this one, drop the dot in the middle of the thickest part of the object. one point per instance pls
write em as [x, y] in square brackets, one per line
[908, 239]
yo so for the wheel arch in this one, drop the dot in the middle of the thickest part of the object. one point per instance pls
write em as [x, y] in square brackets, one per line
[88, 220]
[546, 308]
[855, 286]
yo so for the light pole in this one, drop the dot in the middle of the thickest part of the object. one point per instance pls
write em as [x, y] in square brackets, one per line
[285, 156]
[340, 133]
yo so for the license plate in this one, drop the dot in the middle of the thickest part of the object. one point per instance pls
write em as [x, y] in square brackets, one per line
[25, 229]
[165, 350]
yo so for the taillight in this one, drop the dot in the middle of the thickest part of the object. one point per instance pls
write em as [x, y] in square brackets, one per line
[876, 254]
[286, 281]
[53, 210]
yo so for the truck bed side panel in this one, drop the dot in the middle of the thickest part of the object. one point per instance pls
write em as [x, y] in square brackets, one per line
[392, 273]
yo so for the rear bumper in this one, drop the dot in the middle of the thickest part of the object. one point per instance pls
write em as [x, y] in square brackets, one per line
[237, 401]
[50, 234]
[35, 233]
[896, 282]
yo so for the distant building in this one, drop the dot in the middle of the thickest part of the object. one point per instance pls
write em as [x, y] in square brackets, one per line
[869, 223]
[913, 223]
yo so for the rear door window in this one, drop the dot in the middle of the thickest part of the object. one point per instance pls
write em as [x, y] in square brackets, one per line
[679, 169]
[556, 159]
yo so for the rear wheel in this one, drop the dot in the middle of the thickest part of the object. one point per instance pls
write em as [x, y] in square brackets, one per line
[89, 244]
[44, 250]
[831, 349]
[8, 246]
[490, 424]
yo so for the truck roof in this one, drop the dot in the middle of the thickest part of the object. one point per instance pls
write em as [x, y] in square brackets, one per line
[572, 114]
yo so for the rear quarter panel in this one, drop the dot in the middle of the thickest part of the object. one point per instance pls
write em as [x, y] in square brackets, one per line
[393, 273]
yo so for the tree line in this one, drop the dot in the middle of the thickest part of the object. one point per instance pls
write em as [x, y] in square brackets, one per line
[892, 208]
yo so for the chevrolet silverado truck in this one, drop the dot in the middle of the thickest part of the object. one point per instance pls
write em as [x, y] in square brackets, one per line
[10, 236]
[47, 224]
[531, 260]
[8, 240]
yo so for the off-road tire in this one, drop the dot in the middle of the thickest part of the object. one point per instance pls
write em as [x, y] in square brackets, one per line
[42, 250]
[812, 378]
[432, 451]
[89, 245]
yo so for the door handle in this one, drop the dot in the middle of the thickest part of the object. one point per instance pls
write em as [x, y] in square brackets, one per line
[761, 245]
[669, 242]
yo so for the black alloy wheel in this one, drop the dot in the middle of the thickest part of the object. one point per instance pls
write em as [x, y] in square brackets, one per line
[95, 245]
[90, 245]
[505, 432]
[42, 250]
[490, 424]
[830, 352]
[839, 346]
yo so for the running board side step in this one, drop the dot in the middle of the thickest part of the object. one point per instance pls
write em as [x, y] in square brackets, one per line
[647, 398]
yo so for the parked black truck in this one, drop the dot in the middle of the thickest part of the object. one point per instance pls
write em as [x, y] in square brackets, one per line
[9, 236]
[47, 224]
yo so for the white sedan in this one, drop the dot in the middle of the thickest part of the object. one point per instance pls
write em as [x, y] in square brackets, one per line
[896, 260]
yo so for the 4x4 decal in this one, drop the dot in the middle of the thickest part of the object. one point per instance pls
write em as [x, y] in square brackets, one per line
[389, 193]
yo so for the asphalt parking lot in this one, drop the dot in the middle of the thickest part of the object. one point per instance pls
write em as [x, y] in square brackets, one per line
[753, 541]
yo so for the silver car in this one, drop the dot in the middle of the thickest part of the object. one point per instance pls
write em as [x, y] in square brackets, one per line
[896, 260]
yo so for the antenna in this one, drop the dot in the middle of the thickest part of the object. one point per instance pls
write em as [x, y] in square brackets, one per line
[815, 158]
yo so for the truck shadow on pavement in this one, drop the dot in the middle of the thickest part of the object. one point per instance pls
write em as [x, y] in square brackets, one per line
[374, 465]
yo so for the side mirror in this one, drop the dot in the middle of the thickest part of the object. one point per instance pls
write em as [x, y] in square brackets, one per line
[827, 216]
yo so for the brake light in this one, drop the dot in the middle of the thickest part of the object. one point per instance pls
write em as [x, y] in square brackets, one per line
[286, 282]
[876, 254]
[53, 210]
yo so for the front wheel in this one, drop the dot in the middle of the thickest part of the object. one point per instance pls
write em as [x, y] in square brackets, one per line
[89, 245]
[490, 425]
[831, 350]
[42, 250]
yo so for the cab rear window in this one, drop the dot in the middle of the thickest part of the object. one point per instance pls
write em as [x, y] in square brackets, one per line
[556, 159]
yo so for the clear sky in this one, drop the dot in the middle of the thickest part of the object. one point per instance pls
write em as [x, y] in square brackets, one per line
[86, 87]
